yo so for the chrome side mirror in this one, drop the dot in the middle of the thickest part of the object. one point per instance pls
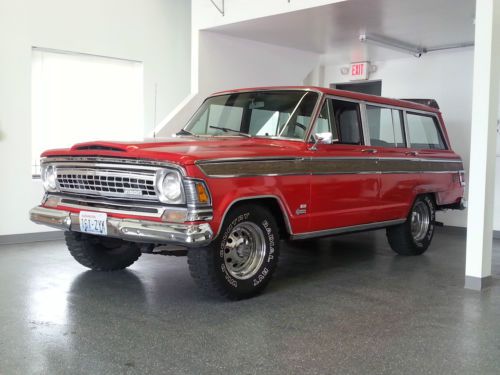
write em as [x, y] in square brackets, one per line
[322, 139]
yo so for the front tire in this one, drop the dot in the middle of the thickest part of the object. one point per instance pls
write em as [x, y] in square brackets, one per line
[414, 236]
[241, 260]
[101, 253]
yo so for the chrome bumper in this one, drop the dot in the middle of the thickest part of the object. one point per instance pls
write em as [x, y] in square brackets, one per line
[190, 235]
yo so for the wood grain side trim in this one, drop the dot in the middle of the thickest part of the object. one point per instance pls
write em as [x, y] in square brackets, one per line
[318, 166]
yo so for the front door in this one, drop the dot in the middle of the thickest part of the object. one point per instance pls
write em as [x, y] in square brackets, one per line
[345, 182]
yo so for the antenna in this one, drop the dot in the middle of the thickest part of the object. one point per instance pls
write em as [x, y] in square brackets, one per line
[154, 116]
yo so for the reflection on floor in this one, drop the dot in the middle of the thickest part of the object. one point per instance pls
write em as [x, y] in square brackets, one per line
[339, 305]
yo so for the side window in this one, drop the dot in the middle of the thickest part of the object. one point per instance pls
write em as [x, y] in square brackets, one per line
[385, 126]
[324, 122]
[424, 132]
[346, 117]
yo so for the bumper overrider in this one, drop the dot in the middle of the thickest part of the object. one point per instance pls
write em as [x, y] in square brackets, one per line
[189, 235]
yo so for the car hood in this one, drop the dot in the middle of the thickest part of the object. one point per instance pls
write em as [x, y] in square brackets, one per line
[186, 150]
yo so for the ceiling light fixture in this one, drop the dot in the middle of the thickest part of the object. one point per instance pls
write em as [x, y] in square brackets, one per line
[382, 41]
[413, 49]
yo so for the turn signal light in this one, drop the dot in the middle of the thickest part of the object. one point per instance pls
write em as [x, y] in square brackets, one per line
[174, 216]
[202, 193]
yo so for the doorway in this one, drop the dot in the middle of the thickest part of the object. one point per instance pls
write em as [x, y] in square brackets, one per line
[370, 87]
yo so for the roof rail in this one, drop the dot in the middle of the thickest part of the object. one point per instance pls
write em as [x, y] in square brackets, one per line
[428, 102]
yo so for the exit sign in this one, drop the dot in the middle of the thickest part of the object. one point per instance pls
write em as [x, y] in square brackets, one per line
[359, 70]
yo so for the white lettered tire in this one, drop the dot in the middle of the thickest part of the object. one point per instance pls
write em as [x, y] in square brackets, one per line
[242, 259]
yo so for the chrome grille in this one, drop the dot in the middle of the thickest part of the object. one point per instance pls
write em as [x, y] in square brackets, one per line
[108, 182]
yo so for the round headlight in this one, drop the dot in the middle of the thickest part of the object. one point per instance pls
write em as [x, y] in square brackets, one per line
[169, 187]
[49, 178]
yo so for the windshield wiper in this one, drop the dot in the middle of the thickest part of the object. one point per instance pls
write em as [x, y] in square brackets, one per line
[185, 132]
[225, 130]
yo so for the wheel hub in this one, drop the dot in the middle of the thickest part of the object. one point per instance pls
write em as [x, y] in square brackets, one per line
[244, 250]
[420, 221]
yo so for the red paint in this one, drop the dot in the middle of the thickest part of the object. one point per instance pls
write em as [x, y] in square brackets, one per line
[332, 200]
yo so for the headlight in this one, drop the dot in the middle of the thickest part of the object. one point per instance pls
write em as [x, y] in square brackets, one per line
[169, 187]
[49, 178]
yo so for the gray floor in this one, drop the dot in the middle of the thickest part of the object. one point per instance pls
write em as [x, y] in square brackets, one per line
[343, 305]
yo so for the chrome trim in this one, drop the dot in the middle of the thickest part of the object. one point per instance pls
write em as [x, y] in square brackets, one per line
[255, 197]
[201, 213]
[257, 89]
[354, 228]
[321, 158]
[364, 124]
[314, 118]
[95, 161]
[64, 200]
[439, 127]
[407, 132]
[192, 195]
[305, 89]
[97, 182]
[190, 235]
[257, 158]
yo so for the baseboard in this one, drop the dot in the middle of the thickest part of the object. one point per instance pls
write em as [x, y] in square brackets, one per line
[453, 229]
[11, 239]
[477, 283]
[463, 230]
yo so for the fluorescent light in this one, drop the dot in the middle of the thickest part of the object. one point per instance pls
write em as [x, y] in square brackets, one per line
[413, 49]
[416, 51]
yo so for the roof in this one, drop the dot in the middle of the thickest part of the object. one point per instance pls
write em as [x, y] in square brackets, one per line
[341, 93]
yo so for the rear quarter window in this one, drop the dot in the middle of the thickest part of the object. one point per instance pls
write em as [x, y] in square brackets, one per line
[424, 132]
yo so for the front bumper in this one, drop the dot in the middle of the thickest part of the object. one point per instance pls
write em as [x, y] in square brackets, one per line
[190, 235]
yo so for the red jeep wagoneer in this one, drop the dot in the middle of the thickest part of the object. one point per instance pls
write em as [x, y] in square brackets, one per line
[251, 167]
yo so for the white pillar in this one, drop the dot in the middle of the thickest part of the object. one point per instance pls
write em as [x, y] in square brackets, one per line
[483, 144]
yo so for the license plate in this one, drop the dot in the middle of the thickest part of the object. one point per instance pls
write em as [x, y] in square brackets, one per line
[93, 222]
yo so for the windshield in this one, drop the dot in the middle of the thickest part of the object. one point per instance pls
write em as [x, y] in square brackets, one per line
[284, 114]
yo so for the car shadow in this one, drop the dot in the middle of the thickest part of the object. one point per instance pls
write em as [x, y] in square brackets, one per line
[308, 260]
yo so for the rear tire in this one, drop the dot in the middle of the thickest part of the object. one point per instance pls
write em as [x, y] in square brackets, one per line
[240, 262]
[414, 236]
[101, 253]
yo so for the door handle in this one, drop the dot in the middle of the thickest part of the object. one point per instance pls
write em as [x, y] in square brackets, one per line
[411, 153]
[369, 150]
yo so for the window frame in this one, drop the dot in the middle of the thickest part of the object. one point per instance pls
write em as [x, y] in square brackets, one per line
[364, 121]
[310, 126]
[437, 124]
[402, 117]
[361, 120]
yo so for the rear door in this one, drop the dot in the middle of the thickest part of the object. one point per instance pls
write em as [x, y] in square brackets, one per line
[398, 166]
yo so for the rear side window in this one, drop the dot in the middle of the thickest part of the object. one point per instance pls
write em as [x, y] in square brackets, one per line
[424, 133]
[386, 127]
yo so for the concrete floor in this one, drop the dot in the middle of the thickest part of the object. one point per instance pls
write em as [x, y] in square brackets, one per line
[344, 305]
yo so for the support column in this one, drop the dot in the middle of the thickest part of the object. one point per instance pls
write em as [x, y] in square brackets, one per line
[483, 144]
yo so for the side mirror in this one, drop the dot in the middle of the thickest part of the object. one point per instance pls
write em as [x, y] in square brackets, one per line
[322, 139]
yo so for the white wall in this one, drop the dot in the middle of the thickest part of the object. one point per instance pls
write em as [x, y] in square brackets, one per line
[227, 63]
[444, 76]
[204, 17]
[156, 32]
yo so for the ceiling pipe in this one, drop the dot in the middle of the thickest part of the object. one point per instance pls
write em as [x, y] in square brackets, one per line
[412, 49]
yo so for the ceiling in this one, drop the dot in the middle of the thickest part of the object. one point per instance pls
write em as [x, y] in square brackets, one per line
[333, 30]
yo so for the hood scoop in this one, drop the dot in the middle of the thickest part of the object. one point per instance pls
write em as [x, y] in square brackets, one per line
[101, 146]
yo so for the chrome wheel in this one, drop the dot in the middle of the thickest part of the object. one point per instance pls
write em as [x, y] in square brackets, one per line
[420, 221]
[244, 250]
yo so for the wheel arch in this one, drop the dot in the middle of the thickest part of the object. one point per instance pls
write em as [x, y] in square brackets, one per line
[271, 202]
